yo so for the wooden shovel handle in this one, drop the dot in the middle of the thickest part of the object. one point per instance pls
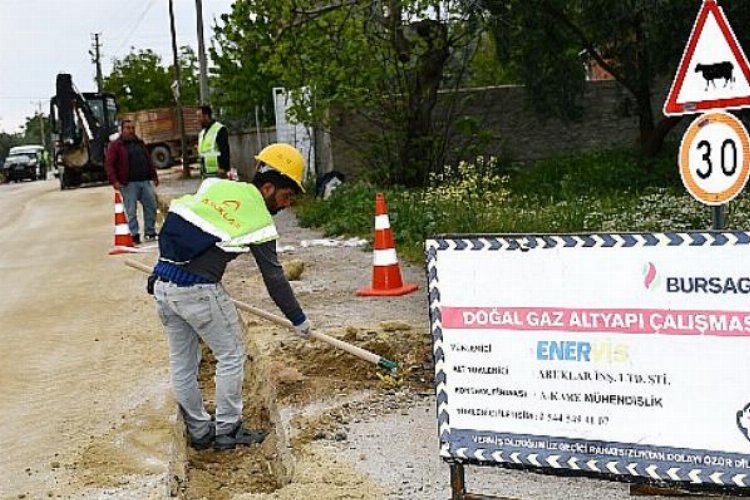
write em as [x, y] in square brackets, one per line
[339, 344]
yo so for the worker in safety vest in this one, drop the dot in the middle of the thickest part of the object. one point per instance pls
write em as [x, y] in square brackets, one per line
[201, 234]
[213, 145]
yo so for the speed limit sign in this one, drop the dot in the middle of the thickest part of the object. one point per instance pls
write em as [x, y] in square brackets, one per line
[715, 158]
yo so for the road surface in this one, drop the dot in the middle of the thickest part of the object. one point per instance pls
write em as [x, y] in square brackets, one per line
[83, 377]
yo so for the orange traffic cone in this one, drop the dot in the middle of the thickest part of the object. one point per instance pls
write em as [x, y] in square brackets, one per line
[123, 239]
[386, 273]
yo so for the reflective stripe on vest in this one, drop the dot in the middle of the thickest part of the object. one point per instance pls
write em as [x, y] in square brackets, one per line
[234, 212]
[207, 147]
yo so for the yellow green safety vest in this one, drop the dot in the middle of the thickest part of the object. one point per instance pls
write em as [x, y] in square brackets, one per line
[207, 148]
[234, 212]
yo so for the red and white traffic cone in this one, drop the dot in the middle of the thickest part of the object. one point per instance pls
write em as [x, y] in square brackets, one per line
[386, 273]
[123, 239]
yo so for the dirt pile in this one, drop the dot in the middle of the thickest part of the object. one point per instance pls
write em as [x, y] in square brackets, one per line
[293, 269]
[296, 373]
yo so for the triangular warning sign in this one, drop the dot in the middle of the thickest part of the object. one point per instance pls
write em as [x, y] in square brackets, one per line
[713, 72]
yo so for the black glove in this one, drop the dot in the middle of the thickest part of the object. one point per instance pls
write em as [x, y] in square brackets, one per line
[150, 283]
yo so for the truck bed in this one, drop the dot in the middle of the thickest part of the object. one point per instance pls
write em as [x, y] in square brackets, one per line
[160, 125]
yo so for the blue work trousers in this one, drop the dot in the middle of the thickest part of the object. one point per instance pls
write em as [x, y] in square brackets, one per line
[203, 312]
[132, 193]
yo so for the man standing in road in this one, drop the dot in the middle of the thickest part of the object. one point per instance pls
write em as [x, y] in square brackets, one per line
[213, 145]
[201, 234]
[131, 172]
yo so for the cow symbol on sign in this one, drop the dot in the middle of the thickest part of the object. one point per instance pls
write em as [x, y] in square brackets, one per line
[716, 71]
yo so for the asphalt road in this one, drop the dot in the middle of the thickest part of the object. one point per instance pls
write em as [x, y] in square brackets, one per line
[79, 360]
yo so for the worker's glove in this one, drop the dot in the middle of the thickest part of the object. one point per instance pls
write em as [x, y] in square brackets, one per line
[232, 175]
[303, 329]
[150, 283]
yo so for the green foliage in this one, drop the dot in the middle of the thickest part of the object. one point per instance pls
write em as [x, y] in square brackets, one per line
[381, 64]
[189, 74]
[33, 127]
[547, 42]
[485, 68]
[7, 141]
[140, 81]
[348, 211]
[462, 195]
[243, 42]
[587, 192]
[31, 134]
[596, 172]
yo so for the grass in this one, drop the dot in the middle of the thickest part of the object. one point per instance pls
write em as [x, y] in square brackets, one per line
[600, 191]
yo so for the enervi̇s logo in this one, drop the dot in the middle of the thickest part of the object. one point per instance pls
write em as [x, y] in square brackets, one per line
[651, 279]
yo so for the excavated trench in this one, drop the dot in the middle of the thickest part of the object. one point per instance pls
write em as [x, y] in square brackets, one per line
[304, 392]
[258, 468]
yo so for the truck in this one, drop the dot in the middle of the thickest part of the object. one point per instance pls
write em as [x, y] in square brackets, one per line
[82, 124]
[159, 129]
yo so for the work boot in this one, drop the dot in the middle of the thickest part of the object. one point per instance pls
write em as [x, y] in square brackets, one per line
[136, 239]
[205, 441]
[150, 237]
[239, 436]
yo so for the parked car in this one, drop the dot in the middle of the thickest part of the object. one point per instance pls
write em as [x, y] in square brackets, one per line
[25, 162]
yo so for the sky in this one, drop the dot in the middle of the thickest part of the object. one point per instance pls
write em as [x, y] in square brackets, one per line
[40, 38]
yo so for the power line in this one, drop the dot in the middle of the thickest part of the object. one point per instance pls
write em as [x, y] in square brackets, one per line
[19, 98]
[137, 24]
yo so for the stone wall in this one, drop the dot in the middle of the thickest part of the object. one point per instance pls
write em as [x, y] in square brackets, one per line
[502, 114]
[243, 145]
[525, 135]
[514, 130]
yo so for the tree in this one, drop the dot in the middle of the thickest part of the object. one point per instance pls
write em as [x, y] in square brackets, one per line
[639, 42]
[384, 61]
[31, 134]
[33, 129]
[243, 43]
[8, 141]
[139, 81]
[485, 68]
[190, 74]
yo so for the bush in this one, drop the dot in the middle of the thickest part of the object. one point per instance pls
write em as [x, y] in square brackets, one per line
[605, 191]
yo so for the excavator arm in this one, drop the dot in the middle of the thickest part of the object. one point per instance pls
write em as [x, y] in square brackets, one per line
[83, 123]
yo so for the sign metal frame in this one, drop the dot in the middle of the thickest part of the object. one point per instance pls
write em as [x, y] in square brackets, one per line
[671, 106]
[639, 471]
[688, 179]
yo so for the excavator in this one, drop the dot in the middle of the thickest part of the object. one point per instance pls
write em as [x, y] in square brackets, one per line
[82, 123]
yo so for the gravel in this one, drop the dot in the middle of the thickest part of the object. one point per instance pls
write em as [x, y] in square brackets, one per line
[397, 446]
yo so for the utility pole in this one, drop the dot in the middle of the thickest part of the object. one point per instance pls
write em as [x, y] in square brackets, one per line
[201, 53]
[41, 125]
[178, 95]
[96, 55]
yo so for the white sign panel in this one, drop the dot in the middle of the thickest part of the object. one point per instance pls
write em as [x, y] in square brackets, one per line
[296, 134]
[619, 354]
[715, 158]
[713, 72]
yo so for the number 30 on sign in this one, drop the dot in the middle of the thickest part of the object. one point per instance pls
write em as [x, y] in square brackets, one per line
[715, 158]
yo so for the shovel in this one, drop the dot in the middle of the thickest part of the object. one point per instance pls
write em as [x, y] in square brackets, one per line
[385, 364]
